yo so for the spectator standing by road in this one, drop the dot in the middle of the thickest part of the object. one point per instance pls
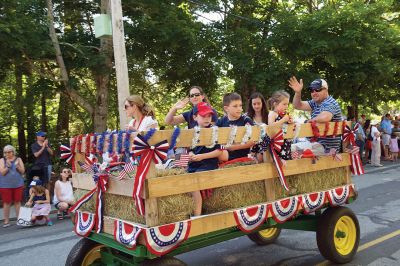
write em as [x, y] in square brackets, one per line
[42, 151]
[386, 128]
[11, 182]
[376, 146]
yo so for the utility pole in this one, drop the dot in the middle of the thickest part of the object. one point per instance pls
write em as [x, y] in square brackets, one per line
[121, 64]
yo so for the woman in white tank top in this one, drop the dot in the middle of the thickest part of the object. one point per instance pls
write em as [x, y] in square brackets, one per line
[142, 114]
[63, 193]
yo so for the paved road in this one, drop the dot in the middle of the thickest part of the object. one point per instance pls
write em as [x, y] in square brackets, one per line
[377, 208]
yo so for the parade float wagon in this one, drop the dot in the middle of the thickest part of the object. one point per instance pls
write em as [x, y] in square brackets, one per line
[145, 219]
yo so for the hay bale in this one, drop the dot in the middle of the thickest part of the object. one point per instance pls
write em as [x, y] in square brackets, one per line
[171, 208]
[235, 196]
[310, 182]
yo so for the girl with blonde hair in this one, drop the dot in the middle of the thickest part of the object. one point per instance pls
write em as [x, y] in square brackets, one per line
[141, 112]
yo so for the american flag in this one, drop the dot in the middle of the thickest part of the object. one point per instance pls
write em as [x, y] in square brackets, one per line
[87, 167]
[128, 170]
[182, 160]
[297, 154]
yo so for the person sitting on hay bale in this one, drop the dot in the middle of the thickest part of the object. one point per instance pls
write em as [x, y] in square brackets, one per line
[203, 158]
[233, 109]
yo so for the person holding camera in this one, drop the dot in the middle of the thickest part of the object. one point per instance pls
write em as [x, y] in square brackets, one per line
[42, 151]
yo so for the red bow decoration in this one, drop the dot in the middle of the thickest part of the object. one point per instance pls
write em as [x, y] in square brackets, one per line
[101, 187]
[68, 154]
[275, 145]
[147, 153]
[349, 135]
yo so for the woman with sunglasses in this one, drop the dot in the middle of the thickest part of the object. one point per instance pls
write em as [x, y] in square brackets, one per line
[11, 182]
[63, 193]
[322, 106]
[141, 112]
[196, 95]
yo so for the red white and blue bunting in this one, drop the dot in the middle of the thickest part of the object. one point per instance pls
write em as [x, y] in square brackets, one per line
[339, 196]
[349, 136]
[101, 187]
[84, 223]
[275, 145]
[126, 233]
[147, 153]
[313, 201]
[163, 239]
[285, 209]
[248, 219]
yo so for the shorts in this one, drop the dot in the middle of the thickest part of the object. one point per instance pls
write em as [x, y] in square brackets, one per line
[57, 207]
[9, 195]
[386, 139]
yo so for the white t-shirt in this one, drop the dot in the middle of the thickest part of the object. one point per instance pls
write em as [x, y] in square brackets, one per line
[66, 191]
[144, 125]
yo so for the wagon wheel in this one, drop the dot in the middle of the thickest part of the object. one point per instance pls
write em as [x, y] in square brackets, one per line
[164, 261]
[266, 236]
[338, 234]
[85, 252]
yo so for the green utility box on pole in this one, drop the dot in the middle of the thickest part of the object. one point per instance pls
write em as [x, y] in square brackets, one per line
[102, 25]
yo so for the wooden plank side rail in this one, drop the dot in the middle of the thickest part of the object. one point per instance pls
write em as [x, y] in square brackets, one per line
[177, 184]
[171, 185]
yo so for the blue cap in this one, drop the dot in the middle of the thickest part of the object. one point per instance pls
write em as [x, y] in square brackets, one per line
[35, 183]
[41, 134]
[318, 83]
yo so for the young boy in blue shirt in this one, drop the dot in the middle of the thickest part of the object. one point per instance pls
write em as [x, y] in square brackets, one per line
[201, 157]
[233, 109]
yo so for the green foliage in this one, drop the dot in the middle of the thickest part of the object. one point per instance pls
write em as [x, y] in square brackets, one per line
[252, 45]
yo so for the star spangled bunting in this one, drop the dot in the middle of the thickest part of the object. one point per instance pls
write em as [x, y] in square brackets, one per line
[340, 195]
[147, 153]
[349, 136]
[126, 233]
[275, 145]
[163, 239]
[84, 223]
[248, 219]
[128, 170]
[182, 160]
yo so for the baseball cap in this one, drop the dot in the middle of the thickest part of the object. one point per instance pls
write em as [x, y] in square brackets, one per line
[41, 134]
[35, 183]
[202, 109]
[318, 83]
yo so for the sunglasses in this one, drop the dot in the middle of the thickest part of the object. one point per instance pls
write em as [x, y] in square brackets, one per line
[315, 90]
[194, 95]
[66, 172]
[127, 106]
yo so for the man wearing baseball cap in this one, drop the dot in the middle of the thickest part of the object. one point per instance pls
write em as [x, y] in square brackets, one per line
[323, 107]
[42, 151]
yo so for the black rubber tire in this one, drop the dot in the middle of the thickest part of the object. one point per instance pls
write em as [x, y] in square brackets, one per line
[164, 261]
[326, 234]
[79, 251]
[261, 240]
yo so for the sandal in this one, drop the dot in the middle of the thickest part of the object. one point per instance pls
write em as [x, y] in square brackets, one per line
[60, 216]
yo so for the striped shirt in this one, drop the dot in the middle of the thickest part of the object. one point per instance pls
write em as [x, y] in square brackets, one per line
[327, 105]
